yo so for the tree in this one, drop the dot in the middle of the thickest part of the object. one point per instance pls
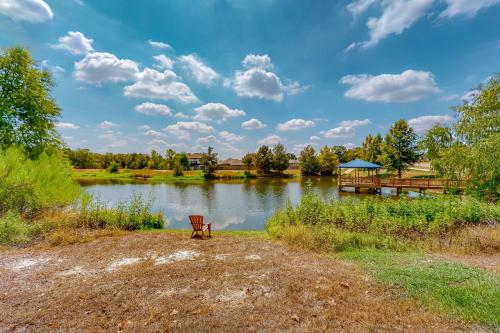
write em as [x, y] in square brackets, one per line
[480, 118]
[28, 112]
[400, 147]
[209, 161]
[279, 158]
[435, 140]
[248, 161]
[340, 151]
[373, 150]
[309, 164]
[354, 153]
[263, 158]
[328, 161]
[365, 145]
[170, 159]
[184, 160]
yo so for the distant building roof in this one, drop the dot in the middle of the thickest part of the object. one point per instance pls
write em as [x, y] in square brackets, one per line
[293, 161]
[195, 155]
[231, 161]
[359, 164]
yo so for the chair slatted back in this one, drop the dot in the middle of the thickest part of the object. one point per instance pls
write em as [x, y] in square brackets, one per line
[196, 222]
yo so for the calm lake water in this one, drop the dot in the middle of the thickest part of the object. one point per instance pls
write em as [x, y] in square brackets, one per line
[227, 205]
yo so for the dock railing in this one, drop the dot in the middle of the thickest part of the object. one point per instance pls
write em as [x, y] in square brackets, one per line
[419, 183]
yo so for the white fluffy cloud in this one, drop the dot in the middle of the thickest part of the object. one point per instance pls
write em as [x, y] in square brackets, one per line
[409, 86]
[253, 124]
[107, 125]
[466, 7]
[201, 72]
[270, 140]
[159, 45]
[157, 143]
[259, 61]
[216, 112]
[315, 138]
[99, 67]
[397, 16]
[163, 61]
[151, 109]
[67, 125]
[165, 85]
[75, 43]
[295, 125]
[207, 139]
[424, 123]
[355, 123]
[346, 129]
[360, 6]
[154, 134]
[34, 11]
[183, 129]
[258, 81]
[230, 137]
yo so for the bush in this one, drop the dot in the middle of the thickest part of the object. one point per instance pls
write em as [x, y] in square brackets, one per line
[31, 187]
[14, 230]
[377, 222]
[113, 167]
[132, 215]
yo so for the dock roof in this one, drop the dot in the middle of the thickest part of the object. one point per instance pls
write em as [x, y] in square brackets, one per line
[359, 164]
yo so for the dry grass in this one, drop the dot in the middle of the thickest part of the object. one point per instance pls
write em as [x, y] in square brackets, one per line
[226, 284]
[472, 240]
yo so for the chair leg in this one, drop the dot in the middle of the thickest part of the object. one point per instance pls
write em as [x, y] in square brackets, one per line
[210, 230]
[192, 234]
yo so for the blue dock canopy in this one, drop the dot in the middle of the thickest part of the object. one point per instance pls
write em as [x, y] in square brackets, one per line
[359, 164]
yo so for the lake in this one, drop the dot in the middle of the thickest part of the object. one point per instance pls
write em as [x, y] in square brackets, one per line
[227, 205]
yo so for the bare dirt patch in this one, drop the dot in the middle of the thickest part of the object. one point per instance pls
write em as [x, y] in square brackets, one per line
[165, 282]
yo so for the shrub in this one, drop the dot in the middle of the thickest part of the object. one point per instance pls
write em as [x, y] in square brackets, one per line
[113, 167]
[31, 187]
[14, 230]
[378, 222]
[132, 215]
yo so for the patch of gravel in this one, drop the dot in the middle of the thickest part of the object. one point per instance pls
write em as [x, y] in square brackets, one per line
[253, 257]
[26, 263]
[123, 262]
[177, 256]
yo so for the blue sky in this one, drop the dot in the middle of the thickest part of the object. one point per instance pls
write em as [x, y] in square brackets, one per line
[234, 74]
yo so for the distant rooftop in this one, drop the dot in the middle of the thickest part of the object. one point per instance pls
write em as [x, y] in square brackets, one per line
[359, 164]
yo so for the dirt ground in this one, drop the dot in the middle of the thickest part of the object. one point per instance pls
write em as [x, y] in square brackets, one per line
[166, 282]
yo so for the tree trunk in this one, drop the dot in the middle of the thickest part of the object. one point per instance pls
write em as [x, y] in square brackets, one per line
[399, 172]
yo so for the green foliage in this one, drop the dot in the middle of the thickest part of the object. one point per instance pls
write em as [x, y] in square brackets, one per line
[279, 158]
[435, 140]
[460, 290]
[248, 161]
[31, 187]
[341, 152]
[132, 215]
[209, 162]
[372, 148]
[28, 112]
[328, 161]
[402, 219]
[309, 164]
[480, 118]
[400, 147]
[263, 158]
[113, 167]
[14, 230]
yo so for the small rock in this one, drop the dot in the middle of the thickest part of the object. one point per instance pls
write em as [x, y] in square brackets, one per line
[345, 285]
[332, 302]
[174, 312]
[296, 318]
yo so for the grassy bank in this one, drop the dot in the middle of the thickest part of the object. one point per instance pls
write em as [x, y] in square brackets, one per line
[388, 238]
[385, 223]
[453, 288]
[168, 175]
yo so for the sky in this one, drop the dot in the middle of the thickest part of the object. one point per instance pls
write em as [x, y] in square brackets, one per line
[132, 76]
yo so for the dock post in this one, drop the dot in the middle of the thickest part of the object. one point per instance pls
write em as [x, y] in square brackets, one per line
[357, 189]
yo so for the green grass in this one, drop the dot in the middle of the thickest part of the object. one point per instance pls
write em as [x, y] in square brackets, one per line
[457, 289]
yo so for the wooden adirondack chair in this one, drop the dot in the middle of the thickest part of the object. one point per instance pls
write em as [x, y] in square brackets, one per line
[198, 225]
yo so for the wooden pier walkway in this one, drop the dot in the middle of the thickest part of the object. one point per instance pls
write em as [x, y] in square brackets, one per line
[376, 183]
